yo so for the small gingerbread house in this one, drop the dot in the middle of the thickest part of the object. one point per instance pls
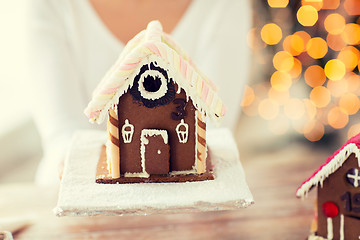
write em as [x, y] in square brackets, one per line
[156, 101]
[338, 201]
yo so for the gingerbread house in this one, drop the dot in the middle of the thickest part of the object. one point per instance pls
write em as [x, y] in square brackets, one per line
[337, 215]
[156, 100]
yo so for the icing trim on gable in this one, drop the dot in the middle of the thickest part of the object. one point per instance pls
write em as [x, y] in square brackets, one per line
[327, 169]
[140, 51]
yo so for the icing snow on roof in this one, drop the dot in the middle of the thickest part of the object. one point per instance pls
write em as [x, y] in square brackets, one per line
[333, 163]
[149, 44]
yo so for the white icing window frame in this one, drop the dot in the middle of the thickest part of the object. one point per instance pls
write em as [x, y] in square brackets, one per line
[127, 135]
[152, 95]
[355, 177]
[182, 135]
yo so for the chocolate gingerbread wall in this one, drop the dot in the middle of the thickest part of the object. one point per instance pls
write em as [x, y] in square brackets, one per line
[337, 188]
[182, 155]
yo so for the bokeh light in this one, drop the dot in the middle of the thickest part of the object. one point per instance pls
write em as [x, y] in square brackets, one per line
[296, 70]
[278, 3]
[337, 118]
[268, 109]
[251, 110]
[320, 96]
[271, 34]
[315, 76]
[300, 125]
[315, 84]
[316, 47]
[353, 81]
[317, 4]
[283, 61]
[304, 36]
[330, 4]
[337, 88]
[281, 81]
[353, 130]
[248, 96]
[335, 42]
[350, 57]
[334, 23]
[307, 15]
[351, 34]
[294, 44]
[294, 108]
[281, 97]
[349, 103]
[314, 131]
[352, 7]
[310, 109]
[335, 69]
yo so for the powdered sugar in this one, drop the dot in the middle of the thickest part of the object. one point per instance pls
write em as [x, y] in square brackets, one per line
[80, 195]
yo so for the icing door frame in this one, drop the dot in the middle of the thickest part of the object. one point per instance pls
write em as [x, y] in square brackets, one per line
[155, 151]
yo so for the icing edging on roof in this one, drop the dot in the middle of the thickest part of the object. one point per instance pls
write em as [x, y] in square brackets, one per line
[332, 164]
[153, 42]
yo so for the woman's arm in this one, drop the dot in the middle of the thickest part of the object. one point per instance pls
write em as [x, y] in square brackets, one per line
[56, 94]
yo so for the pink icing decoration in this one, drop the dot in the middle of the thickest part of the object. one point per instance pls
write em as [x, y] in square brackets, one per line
[153, 48]
[205, 91]
[162, 45]
[94, 114]
[190, 75]
[224, 109]
[209, 97]
[163, 53]
[183, 67]
[212, 84]
[128, 66]
[110, 90]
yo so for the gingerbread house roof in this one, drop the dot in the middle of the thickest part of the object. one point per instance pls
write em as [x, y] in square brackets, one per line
[333, 163]
[149, 44]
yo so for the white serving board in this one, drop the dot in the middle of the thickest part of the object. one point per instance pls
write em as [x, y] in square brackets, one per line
[81, 196]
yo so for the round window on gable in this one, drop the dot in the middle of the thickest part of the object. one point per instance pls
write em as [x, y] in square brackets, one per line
[151, 83]
[152, 86]
[353, 177]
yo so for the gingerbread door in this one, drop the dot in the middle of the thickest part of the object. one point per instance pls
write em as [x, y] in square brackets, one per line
[155, 151]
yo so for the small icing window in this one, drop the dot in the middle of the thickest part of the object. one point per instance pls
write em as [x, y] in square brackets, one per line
[152, 87]
[182, 130]
[127, 131]
[353, 177]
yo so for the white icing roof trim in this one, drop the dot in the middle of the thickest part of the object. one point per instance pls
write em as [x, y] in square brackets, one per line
[153, 44]
[334, 164]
